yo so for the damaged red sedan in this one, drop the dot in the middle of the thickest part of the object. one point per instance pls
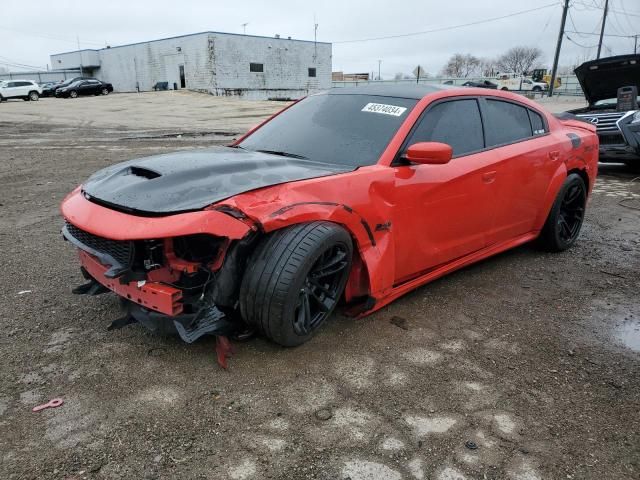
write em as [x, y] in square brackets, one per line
[352, 196]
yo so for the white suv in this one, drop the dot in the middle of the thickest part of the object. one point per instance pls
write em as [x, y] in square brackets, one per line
[24, 89]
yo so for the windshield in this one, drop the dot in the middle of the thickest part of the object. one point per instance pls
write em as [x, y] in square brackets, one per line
[342, 129]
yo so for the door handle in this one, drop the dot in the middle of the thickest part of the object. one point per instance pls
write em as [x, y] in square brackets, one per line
[555, 155]
[489, 177]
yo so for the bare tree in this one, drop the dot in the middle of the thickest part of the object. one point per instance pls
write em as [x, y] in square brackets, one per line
[461, 65]
[519, 59]
[488, 67]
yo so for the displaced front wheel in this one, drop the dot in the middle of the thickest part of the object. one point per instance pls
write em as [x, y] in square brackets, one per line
[294, 281]
[563, 224]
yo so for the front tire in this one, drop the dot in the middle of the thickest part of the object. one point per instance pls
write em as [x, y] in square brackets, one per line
[562, 228]
[34, 97]
[73, 94]
[294, 281]
[104, 91]
[504, 88]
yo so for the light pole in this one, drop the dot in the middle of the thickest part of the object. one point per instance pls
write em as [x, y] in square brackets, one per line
[554, 70]
[379, 63]
[604, 20]
[244, 28]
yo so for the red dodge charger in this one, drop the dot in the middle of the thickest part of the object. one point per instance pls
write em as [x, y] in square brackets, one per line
[353, 196]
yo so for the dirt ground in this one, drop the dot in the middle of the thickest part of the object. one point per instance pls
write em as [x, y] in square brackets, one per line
[532, 357]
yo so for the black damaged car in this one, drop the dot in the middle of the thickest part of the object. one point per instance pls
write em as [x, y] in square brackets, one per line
[611, 87]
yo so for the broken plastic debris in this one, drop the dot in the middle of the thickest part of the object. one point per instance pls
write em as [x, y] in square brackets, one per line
[22, 292]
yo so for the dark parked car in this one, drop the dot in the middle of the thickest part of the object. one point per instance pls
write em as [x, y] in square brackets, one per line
[49, 89]
[88, 86]
[485, 84]
[611, 87]
[66, 83]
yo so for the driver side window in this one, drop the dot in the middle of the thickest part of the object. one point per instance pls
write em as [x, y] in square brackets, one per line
[456, 123]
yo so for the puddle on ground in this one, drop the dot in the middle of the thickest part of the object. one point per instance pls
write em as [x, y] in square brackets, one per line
[628, 332]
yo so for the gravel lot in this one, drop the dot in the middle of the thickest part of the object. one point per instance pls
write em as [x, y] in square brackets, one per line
[533, 357]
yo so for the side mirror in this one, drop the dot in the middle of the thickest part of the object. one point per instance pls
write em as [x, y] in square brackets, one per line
[429, 153]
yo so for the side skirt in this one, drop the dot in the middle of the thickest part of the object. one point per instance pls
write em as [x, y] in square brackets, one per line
[457, 264]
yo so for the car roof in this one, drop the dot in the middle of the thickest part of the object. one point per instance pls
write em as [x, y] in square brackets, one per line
[399, 91]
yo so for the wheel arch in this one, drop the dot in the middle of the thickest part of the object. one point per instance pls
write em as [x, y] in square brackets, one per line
[582, 172]
[371, 270]
[555, 184]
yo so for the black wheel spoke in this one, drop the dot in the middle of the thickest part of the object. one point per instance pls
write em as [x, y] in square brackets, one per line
[330, 267]
[303, 317]
[321, 289]
[571, 213]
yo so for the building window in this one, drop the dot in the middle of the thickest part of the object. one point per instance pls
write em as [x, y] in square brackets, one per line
[312, 72]
[256, 67]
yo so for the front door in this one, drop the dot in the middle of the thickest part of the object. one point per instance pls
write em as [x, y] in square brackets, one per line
[183, 83]
[443, 212]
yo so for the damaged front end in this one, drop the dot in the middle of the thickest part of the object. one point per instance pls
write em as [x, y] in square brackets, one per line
[186, 285]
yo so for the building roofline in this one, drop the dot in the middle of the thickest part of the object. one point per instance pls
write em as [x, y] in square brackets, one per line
[189, 35]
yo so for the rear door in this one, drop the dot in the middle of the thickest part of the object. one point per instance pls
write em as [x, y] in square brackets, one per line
[526, 158]
[443, 212]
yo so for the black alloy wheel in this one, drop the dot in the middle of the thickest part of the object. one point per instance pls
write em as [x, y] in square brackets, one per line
[571, 213]
[562, 228]
[321, 290]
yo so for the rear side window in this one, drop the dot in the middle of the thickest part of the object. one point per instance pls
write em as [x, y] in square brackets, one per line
[537, 123]
[506, 122]
[456, 123]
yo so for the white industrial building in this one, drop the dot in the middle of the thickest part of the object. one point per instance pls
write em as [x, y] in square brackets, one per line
[219, 63]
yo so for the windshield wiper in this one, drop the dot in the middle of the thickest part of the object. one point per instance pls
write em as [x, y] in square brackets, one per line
[283, 154]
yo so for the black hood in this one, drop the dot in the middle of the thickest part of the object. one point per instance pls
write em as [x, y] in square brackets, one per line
[191, 180]
[600, 79]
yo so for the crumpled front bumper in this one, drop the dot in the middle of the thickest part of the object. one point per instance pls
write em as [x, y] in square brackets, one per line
[154, 296]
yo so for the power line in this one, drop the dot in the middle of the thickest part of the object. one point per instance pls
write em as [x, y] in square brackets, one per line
[597, 34]
[594, 7]
[15, 63]
[579, 44]
[49, 37]
[452, 27]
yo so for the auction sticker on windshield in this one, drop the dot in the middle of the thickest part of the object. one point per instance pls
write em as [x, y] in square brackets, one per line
[384, 109]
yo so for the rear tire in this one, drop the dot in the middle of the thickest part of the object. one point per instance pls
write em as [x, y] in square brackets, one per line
[104, 91]
[562, 228]
[504, 88]
[536, 89]
[294, 280]
[73, 94]
[33, 96]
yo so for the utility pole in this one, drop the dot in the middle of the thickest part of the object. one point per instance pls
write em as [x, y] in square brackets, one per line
[554, 71]
[635, 44]
[379, 63]
[244, 28]
[80, 53]
[604, 20]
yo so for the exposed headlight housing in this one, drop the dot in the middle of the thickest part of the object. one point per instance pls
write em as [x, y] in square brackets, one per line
[636, 117]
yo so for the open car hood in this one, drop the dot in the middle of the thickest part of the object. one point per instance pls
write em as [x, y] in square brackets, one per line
[191, 180]
[600, 79]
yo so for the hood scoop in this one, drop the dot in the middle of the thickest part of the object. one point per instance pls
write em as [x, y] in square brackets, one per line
[143, 172]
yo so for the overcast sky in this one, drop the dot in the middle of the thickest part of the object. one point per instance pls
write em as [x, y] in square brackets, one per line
[46, 27]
